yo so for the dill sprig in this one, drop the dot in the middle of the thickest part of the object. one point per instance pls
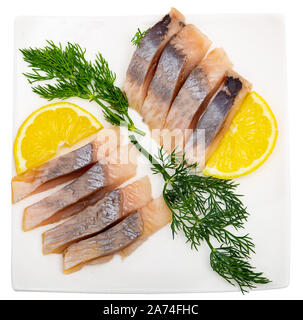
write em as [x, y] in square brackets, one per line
[206, 209]
[136, 39]
[75, 76]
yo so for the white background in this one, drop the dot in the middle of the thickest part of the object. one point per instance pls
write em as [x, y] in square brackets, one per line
[294, 25]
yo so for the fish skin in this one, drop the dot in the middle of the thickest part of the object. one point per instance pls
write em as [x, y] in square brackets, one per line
[78, 194]
[191, 101]
[65, 167]
[97, 217]
[40, 212]
[26, 184]
[87, 223]
[217, 117]
[155, 215]
[217, 111]
[81, 204]
[117, 168]
[104, 244]
[182, 53]
[146, 56]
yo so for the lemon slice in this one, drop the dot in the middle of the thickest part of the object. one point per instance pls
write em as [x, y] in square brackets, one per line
[49, 128]
[248, 143]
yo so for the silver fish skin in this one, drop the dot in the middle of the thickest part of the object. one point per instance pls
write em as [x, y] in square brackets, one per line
[66, 167]
[95, 218]
[97, 180]
[104, 244]
[40, 212]
[26, 184]
[87, 223]
[192, 99]
[217, 117]
[182, 53]
[146, 56]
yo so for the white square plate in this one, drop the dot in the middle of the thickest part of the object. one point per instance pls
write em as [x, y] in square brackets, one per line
[256, 46]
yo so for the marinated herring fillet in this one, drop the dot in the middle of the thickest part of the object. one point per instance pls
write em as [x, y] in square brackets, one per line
[217, 117]
[104, 244]
[191, 101]
[82, 204]
[154, 216]
[94, 219]
[182, 53]
[65, 167]
[146, 56]
[48, 210]
[24, 185]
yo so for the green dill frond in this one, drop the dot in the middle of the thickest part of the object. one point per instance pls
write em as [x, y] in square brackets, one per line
[206, 208]
[136, 39]
[230, 265]
[74, 76]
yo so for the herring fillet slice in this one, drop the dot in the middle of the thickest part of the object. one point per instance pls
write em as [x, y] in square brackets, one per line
[26, 184]
[63, 168]
[104, 244]
[146, 56]
[155, 215]
[81, 204]
[99, 176]
[191, 101]
[182, 53]
[94, 219]
[216, 119]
